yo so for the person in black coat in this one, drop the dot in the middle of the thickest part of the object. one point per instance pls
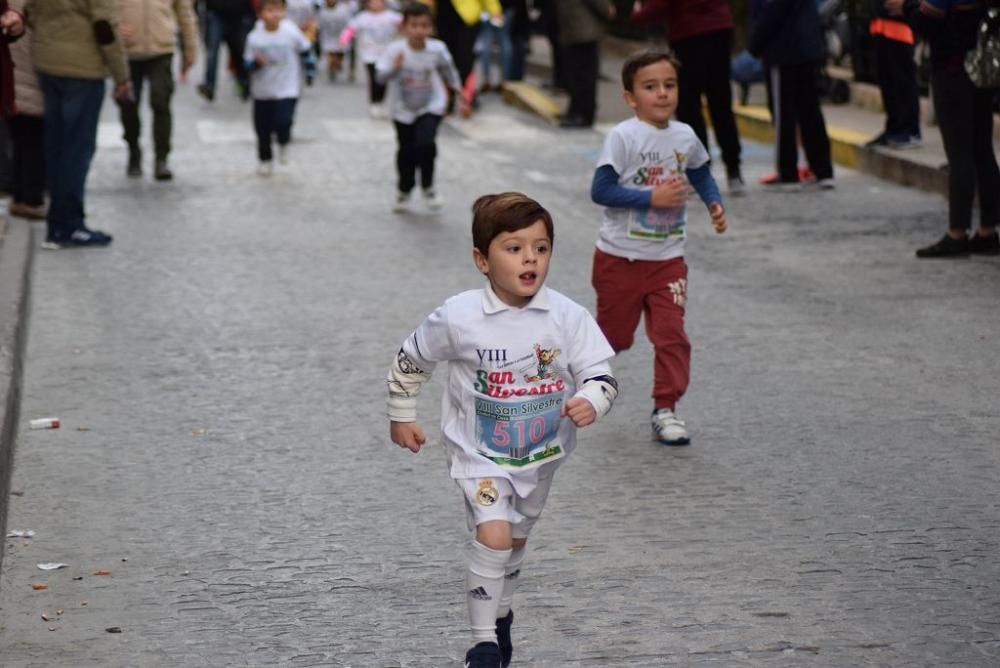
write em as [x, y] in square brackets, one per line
[788, 37]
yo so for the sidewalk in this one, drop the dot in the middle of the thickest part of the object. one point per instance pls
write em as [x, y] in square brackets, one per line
[849, 125]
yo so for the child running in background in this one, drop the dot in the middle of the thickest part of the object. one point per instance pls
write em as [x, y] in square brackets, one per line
[418, 71]
[303, 14]
[272, 56]
[375, 28]
[643, 178]
[332, 19]
[527, 366]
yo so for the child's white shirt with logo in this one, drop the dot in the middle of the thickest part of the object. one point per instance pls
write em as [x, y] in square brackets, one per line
[418, 87]
[510, 371]
[280, 78]
[645, 156]
[375, 31]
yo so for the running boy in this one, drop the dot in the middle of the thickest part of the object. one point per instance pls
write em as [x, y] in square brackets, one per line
[643, 178]
[375, 28]
[526, 367]
[417, 70]
[272, 55]
[333, 18]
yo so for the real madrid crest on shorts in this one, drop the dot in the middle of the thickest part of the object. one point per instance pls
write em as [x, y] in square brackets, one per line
[487, 493]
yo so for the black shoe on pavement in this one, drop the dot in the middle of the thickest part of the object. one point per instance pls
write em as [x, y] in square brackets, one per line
[483, 655]
[881, 140]
[988, 245]
[206, 92]
[85, 237]
[574, 122]
[161, 172]
[134, 169]
[945, 247]
[503, 639]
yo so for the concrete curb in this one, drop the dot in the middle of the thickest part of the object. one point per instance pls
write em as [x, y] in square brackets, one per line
[847, 146]
[17, 244]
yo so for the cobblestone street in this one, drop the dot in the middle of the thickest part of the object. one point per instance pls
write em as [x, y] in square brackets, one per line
[219, 373]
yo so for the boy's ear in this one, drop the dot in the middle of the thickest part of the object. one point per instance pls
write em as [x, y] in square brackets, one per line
[629, 98]
[482, 264]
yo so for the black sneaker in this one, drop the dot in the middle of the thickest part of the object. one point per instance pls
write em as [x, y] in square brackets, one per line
[161, 171]
[483, 655]
[503, 639]
[206, 92]
[945, 247]
[134, 169]
[988, 245]
[85, 237]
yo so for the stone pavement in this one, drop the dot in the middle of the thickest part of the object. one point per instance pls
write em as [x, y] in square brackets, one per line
[224, 453]
[849, 126]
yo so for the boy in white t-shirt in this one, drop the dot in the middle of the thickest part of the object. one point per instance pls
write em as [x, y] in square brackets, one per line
[272, 55]
[375, 28]
[419, 71]
[644, 176]
[526, 367]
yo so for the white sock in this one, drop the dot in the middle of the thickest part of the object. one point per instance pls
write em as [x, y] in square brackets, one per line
[484, 583]
[511, 575]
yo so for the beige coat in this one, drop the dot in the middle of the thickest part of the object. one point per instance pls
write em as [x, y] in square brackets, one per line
[149, 27]
[65, 43]
[27, 92]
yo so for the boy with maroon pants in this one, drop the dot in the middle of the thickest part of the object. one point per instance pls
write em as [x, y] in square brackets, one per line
[647, 168]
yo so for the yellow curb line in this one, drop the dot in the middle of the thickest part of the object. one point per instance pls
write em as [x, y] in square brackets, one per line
[754, 122]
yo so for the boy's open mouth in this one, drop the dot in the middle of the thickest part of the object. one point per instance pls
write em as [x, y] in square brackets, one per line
[528, 277]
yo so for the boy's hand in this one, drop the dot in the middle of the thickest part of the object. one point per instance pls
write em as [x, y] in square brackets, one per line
[259, 61]
[407, 435]
[718, 217]
[580, 411]
[670, 195]
[398, 62]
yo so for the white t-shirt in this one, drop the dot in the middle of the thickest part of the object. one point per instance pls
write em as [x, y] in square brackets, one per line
[509, 372]
[331, 22]
[645, 156]
[300, 11]
[418, 86]
[280, 49]
[375, 31]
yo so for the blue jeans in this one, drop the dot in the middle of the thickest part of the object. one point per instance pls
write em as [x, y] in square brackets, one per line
[512, 49]
[72, 109]
[232, 30]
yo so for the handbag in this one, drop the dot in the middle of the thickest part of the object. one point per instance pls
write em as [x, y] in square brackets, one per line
[982, 62]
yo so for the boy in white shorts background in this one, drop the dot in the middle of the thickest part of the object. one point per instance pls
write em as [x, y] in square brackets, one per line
[527, 367]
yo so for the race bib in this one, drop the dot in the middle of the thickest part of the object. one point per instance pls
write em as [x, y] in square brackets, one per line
[656, 224]
[519, 434]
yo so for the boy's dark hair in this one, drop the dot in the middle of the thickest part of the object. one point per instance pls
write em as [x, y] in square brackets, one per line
[267, 3]
[641, 59]
[492, 215]
[415, 9]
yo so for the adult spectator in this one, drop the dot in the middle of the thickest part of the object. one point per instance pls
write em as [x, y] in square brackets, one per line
[511, 35]
[788, 37]
[27, 133]
[965, 117]
[458, 28]
[896, 71]
[228, 21]
[149, 31]
[75, 46]
[581, 27]
[11, 29]
[701, 34]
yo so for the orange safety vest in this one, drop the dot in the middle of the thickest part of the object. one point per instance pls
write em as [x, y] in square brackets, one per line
[890, 29]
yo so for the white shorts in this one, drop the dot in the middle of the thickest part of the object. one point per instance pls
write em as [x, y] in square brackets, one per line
[489, 499]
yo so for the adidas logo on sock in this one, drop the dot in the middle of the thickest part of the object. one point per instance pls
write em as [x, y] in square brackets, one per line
[480, 594]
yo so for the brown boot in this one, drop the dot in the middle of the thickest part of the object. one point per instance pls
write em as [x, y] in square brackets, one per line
[20, 210]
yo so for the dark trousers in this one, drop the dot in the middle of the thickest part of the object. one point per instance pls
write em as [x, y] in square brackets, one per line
[458, 36]
[966, 121]
[72, 109]
[705, 63]
[232, 30]
[897, 80]
[161, 88]
[272, 117]
[376, 91]
[28, 135]
[417, 150]
[581, 77]
[796, 110]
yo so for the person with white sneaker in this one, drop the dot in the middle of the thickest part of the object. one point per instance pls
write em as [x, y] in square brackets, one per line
[272, 56]
[418, 71]
[644, 176]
